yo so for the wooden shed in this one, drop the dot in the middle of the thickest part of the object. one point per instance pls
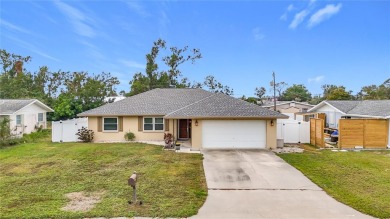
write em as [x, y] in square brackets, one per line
[360, 124]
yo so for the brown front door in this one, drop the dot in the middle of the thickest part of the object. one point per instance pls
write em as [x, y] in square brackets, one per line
[183, 128]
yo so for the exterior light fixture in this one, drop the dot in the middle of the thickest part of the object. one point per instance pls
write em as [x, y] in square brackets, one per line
[196, 122]
[272, 122]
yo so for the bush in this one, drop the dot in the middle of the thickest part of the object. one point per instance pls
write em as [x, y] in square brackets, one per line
[85, 135]
[5, 132]
[10, 142]
[37, 136]
[129, 136]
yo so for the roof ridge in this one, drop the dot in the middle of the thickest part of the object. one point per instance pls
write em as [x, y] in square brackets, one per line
[212, 94]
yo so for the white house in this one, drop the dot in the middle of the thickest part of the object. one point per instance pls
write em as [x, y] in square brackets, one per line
[26, 115]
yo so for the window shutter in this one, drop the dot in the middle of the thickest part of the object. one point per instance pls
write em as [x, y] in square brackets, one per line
[120, 123]
[140, 123]
[99, 125]
[166, 124]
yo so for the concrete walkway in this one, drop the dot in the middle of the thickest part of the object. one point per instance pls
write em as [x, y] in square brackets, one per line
[258, 184]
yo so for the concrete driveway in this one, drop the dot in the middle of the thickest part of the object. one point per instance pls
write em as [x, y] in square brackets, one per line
[258, 184]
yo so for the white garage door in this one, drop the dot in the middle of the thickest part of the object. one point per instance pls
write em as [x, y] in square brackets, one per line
[225, 134]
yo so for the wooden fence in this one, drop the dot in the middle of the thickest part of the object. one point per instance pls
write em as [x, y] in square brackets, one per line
[317, 132]
[369, 133]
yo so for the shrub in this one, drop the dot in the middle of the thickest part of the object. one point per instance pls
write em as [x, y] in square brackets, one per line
[85, 135]
[129, 136]
[39, 135]
[5, 132]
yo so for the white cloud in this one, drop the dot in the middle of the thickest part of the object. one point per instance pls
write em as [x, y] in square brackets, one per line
[13, 27]
[257, 34]
[298, 19]
[136, 7]
[324, 14]
[132, 64]
[81, 23]
[316, 79]
[289, 8]
[32, 48]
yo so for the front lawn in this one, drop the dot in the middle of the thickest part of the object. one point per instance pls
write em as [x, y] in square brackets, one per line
[35, 178]
[358, 179]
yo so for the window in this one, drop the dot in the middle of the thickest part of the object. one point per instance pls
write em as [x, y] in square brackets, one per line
[40, 117]
[18, 119]
[110, 124]
[154, 124]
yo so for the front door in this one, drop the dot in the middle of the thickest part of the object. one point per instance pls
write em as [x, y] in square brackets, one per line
[183, 128]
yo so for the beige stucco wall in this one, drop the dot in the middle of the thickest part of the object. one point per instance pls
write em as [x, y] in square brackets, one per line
[271, 133]
[196, 135]
[196, 139]
[130, 124]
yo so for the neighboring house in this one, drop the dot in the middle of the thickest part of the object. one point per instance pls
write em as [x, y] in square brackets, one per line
[337, 109]
[205, 119]
[25, 115]
[289, 108]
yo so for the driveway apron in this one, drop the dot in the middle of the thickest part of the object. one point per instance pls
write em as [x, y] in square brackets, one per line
[259, 184]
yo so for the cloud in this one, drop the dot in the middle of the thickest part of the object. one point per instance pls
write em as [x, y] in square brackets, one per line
[316, 79]
[257, 34]
[324, 14]
[81, 23]
[32, 48]
[298, 19]
[132, 64]
[137, 8]
[13, 27]
[289, 8]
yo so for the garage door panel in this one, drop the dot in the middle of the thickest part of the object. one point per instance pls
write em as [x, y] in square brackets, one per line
[233, 134]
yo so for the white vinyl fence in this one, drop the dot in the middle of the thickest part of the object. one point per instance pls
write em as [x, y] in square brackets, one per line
[293, 131]
[65, 131]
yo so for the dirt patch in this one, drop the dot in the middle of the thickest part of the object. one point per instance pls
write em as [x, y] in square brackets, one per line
[81, 202]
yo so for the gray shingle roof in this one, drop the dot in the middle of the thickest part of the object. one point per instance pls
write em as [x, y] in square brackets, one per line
[372, 108]
[222, 105]
[344, 105]
[183, 103]
[8, 106]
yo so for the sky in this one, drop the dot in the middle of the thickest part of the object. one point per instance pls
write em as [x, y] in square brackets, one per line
[312, 42]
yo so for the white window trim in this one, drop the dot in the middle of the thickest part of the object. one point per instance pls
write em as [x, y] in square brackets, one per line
[117, 124]
[43, 117]
[21, 120]
[153, 123]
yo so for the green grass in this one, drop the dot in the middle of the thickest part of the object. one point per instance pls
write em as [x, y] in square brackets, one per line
[358, 179]
[35, 177]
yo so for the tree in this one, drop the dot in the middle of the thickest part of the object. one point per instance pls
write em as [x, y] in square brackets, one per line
[297, 92]
[374, 92]
[279, 87]
[68, 93]
[171, 77]
[260, 92]
[339, 93]
[214, 86]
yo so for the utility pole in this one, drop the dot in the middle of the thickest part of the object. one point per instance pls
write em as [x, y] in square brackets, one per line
[273, 75]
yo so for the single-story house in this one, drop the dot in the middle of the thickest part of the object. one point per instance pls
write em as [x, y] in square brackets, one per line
[25, 115]
[289, 108]
[337, 109]
[204, 119]
[334, 110]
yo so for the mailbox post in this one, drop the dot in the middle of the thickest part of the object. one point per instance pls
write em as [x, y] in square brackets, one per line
[132, 182]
